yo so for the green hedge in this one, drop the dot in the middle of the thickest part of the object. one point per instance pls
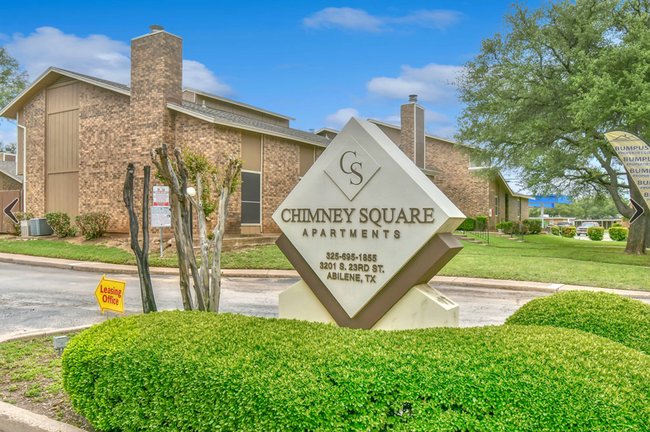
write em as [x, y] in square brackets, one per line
[618, 233]
[604, 314]
[196, 371]
[555, 230]
[467, 225]
[93, 225]
[595, 233]
[482, 219]
[60, 224]
[533, 226]
[568, 231]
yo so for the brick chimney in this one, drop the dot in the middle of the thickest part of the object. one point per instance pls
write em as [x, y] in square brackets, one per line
[156, 77]
[412, 135]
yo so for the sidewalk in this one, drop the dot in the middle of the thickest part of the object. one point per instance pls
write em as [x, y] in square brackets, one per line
[246, 273]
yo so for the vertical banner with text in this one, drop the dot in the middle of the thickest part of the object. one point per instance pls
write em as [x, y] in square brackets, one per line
[634, 153]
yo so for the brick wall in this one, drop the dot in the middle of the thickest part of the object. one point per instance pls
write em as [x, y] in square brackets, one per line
[34, 121]
[104, 134]
[156, 74]
[469, 192]
[280, 174]
[215, 142]
[407, 133]
[9, 184]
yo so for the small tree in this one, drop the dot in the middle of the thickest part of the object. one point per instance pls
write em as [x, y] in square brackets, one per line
[177, 173]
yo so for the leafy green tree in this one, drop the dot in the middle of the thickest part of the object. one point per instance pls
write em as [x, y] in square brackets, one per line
[8, 148]
[12, 79]
[541, 93]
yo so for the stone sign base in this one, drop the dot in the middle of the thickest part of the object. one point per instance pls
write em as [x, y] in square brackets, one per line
[421, 307]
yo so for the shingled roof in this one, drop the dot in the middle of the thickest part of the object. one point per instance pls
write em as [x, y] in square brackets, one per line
[234, 120]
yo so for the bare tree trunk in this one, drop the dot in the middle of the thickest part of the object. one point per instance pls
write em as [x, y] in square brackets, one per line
[141, 255]
[204, 269]
[183, 265]
[233, 170]
[180, 220]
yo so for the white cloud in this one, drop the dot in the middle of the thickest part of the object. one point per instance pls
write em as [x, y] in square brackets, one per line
[345, 17]
[439, 19]
[430, 83]
[436, 118]
[95, 55]
[341, 117]
[431, 119]
[197, 76]
[360, 20]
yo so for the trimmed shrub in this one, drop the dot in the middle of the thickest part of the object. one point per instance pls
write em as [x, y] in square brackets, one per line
[604, 314]
[595, 233]
[482, 219]
[467, 225]
[21, 217]
[569, 231]
[60, 224]
[534, 226]
[197, 371]
[618, 233]
[93, 225]
[616, 225]
[555, 230]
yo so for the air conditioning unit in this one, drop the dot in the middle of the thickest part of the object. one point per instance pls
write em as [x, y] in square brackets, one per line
[39, 227]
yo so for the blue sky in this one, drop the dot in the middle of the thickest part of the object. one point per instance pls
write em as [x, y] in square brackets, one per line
[319, 62]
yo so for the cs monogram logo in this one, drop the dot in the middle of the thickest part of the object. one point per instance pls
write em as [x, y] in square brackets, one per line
[352, 168]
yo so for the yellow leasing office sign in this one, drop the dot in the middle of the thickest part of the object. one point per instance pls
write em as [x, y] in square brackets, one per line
[110, 295]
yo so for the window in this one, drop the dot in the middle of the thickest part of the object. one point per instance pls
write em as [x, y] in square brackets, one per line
[251, 197]
[251, 175]
[519, 210]
[496, 206]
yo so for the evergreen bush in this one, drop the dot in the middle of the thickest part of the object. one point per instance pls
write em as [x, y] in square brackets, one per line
[93, 225]
[612, 316]
[60, 224]
[197, 371]
[618, 233]
[467, 225]
[533, 226]
[555, 230]
[482, 219]
[569, 231]
[595, 233]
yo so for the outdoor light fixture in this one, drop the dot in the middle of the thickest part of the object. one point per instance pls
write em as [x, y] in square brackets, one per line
[191, 191]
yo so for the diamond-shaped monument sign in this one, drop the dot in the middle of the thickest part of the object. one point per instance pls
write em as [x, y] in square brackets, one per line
[365, 224]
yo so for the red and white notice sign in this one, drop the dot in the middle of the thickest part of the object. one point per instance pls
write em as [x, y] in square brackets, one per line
[161, 196]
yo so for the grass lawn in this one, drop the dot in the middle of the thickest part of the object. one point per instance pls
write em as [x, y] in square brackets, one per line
[542, 258]
[30, 378]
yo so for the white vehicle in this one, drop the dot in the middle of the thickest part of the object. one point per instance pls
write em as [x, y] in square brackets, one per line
[582, 229]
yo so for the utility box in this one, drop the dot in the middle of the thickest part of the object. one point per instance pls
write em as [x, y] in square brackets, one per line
[39, 227]
[24, 228]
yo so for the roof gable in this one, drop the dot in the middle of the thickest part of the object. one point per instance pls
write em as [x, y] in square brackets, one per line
[49, 77]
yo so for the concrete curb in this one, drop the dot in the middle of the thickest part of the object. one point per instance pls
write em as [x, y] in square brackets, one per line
[14, 419]
[98, 267]
[45, 333]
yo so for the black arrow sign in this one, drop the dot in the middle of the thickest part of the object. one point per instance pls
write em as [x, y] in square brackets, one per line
[9, 208]
[639, 211]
